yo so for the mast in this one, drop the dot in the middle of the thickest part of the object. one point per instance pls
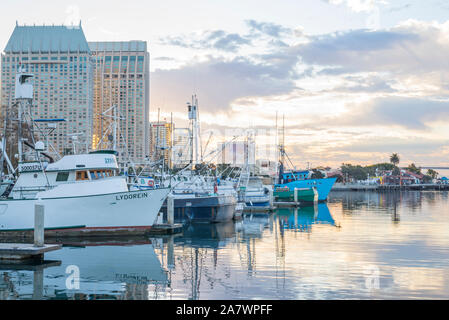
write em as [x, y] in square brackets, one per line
[24, 97]
[283, 139]
[194, 128]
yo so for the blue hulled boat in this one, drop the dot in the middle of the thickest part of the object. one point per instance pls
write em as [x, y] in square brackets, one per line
[300, 179]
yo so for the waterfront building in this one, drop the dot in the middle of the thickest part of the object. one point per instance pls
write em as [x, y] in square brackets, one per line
[266, 167]
[121, 79]
[161, 141]
[238, 153]
[59, 58]
[181, 147]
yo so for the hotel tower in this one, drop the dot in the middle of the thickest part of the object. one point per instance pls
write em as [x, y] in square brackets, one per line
[121, 82]
[59, 58]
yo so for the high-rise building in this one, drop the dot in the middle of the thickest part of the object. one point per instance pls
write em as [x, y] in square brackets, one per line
[238, 153]
[121, 79]
[59, 58]
[161, 141]
[181, 154]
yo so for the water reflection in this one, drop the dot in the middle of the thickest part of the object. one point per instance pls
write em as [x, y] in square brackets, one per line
[322, 252]
[119, 270]
[302, 219]
[23, 280]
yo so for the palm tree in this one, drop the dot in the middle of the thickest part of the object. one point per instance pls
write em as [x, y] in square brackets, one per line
[432, 173]
[394, 159]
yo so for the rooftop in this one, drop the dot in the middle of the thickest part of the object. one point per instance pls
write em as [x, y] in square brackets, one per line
[43, 39]
[130, 46]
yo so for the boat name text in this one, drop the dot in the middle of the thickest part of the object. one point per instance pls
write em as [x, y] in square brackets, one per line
[131, 196]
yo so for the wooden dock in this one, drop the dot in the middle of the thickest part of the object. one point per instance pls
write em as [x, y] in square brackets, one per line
[412, 187]
[88, 233]
[24, 251]
[249, 209]
[286, 204]
[165, 229]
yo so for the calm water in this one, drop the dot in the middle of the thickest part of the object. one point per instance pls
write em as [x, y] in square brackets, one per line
[358, 246]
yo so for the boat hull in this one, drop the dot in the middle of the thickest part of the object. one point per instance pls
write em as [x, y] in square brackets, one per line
[202, 209]
[114, 210]
[323, 186]
[304, 196]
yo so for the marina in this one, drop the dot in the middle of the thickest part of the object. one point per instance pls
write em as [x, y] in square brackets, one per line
[294, 253]
[235, 151]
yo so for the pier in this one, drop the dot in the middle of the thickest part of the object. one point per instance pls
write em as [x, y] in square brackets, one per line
[24, 251]
[363, 187]
[19, 252]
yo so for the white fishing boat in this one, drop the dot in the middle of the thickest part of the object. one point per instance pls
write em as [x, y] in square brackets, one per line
[78, 191]
[256, 194]
[197, 197]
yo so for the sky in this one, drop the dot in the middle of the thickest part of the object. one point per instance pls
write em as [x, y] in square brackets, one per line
[354, 80]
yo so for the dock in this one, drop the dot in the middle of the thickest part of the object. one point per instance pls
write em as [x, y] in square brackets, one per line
[249, 209]
[20, 252]
[24, 251]
[165, 229]
[364, 187]
[89, 233]
[286, 204]
[83, 232]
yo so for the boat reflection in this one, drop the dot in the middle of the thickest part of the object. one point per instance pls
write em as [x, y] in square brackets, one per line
[303, 218]
[14, 276]
[204, 235]
[117, 271]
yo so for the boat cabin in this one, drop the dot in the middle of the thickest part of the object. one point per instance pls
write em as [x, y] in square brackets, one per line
[70, 169]
[295, 175]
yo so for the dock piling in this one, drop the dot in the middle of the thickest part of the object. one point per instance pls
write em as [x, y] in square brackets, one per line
[170, 210]
[39, 216]
[170, 253]
[271, 197]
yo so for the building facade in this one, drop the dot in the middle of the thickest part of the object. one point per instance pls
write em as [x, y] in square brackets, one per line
[181, 155]
[121, 79]
[161, 141]
[59, 58]
[238, 153]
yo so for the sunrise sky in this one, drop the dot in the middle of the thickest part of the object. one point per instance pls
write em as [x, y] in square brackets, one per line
[356, 79]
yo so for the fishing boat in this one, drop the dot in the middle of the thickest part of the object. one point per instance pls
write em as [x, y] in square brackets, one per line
[255, 193]
[197, 197]
[82, 191]
[78, 191]
[302, 180]
[304, 195]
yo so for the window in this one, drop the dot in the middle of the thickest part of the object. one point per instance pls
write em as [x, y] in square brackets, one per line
[62, 176]
[82, 175]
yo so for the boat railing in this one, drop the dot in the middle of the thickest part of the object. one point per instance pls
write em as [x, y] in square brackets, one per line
[23, 191]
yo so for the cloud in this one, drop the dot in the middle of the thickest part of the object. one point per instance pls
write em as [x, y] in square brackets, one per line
[270, 29]
[409, 113]
[390, 145]
[384, 84]
[216, 39]
[410, 48]
[357, 5]
[164, 59]
[364, 84]
[219, 82]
